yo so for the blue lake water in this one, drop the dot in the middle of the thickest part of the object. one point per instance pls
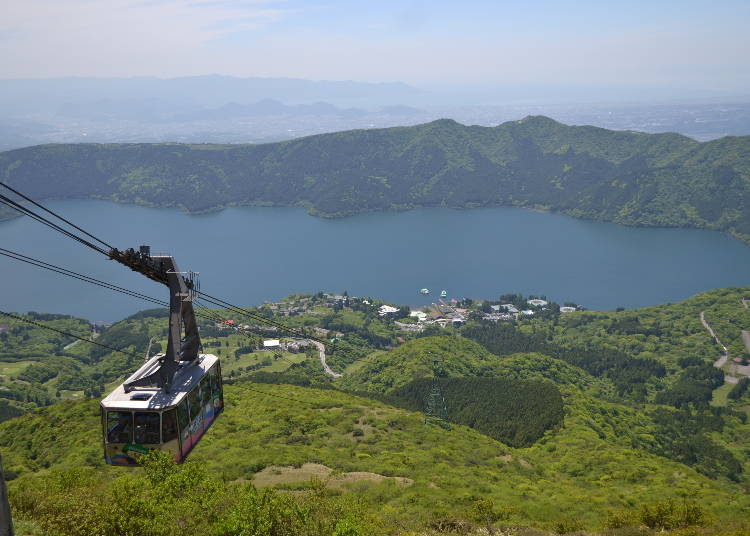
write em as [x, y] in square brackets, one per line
[248, 255]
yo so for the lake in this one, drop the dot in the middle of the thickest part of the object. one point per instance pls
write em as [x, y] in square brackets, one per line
[248, 255]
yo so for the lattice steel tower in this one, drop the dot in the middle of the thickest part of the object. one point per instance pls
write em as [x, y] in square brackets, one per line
[436, 411]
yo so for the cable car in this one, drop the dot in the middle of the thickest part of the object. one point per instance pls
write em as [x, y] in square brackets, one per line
[146, 419]
[173, 398]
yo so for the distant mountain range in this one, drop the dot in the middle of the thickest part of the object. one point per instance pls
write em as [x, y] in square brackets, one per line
[144, 96]
[272, 107]
[629, 178]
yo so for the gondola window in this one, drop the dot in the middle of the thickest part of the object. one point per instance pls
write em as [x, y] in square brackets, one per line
[119, 426]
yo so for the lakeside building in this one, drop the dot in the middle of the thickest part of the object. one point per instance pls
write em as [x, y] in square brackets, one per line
[387, 310]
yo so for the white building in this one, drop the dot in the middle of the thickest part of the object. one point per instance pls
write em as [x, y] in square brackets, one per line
[509, 307]
[271, 344]
[386, 310]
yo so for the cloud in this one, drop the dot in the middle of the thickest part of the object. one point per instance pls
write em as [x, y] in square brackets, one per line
[415, 41]
[119, 37]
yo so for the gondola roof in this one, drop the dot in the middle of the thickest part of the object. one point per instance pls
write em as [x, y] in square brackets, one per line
[145, 399]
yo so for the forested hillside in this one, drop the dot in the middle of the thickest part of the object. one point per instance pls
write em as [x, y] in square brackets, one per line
[516, 412]
[561, 421]
[395, 472]
[626, 177]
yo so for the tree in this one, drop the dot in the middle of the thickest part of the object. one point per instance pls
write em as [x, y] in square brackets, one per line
[484, 511]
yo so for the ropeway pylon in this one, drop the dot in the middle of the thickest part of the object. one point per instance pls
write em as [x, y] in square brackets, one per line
[436, 411]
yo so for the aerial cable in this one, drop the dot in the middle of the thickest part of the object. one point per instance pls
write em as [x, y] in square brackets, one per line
[263, 319]
[205, 313]
[207, 297]
[54, 214]
[28, 321]
[211, 299]
[70, 273]
[242, 332]
[218, 301]
[37, 324]
[28, 212]
[88, 279]
[260, 318]
[208, 314]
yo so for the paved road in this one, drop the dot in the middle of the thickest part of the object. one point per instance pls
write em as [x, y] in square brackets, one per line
[71, 344]
[322, 353]
[723, 359]
[719, 363]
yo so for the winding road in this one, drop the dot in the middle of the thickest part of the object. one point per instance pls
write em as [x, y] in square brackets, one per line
[719, 363]
[322, 353]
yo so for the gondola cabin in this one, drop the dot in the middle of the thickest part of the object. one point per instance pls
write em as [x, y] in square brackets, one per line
[151, 418]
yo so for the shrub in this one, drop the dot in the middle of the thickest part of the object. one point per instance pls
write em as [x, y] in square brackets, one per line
[567, 526]
[169, 499]
[666, 515]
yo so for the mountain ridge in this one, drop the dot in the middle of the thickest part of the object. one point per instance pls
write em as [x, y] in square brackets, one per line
[630, 178]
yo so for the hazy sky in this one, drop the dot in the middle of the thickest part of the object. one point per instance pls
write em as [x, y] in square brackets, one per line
[681, 44]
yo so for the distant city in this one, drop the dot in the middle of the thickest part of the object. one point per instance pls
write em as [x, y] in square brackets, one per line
[219, 110]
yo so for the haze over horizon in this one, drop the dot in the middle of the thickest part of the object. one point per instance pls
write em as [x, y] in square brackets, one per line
[480, 52]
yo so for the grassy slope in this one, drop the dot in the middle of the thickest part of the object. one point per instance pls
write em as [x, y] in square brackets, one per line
[575, 471]
[596, 461]
[383, 372]
[664, 332]
[626, 177]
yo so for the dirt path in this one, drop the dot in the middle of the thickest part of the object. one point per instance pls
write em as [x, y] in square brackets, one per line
[744, 302]
[322, 353]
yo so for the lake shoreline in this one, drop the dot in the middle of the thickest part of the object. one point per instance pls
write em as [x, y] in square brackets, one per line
[255, 254]
[312, 211]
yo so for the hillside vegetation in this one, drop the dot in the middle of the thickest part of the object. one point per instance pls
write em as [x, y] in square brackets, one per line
[625, 177]
[516, 412]
[560, 421]
[401, 473]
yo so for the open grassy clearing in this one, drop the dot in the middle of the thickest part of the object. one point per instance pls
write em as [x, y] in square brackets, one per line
[720, 395]
[13, 369]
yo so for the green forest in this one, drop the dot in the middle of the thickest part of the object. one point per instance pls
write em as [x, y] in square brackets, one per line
[515, 412]
[597, 421]
[630, 178]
